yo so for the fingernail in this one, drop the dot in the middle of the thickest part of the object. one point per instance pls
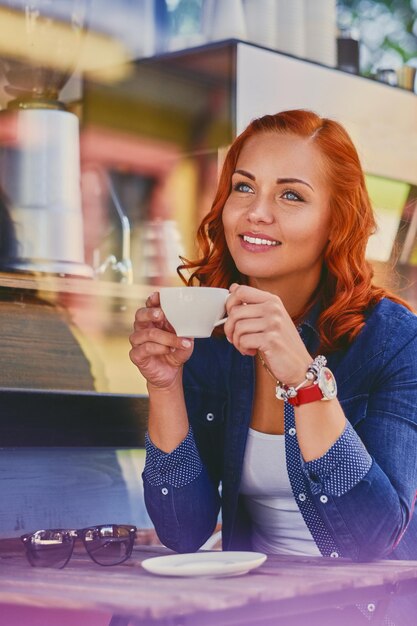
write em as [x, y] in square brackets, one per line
[186, 343]
[156, 313]
[228, 339]
[172, 349]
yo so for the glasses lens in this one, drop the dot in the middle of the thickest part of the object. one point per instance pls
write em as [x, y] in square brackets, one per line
[49, 548]
[109, 545]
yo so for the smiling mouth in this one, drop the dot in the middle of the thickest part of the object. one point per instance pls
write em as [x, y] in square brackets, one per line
[257, 241]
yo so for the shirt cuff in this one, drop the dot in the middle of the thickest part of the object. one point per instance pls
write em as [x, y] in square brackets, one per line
[341, 468]
[177, 468]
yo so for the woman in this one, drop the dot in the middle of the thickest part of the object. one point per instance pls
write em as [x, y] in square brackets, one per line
[287, 234]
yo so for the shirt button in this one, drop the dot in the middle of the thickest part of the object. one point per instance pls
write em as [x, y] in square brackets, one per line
[164, 491]
[209, 417]
[292, 432]
[334, 555]
[302, 497]
[371, 607]
[324, 499]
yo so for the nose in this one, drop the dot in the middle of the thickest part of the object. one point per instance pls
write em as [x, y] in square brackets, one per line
[260, 211]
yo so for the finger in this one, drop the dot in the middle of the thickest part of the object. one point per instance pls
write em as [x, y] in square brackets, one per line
[249, 295]
[247, 327]
[235, 316]
[251, 311]
[160, 336]
[139, 354]
[257, 329]
[153, 299]
[148, 314]
[247, 311]
[249, 343]
[236, 298]
[155, 335]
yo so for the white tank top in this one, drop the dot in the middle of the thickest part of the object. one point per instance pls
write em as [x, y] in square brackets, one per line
[278, 526]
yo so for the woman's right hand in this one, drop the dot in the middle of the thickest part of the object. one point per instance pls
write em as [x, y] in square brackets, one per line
[156, 350]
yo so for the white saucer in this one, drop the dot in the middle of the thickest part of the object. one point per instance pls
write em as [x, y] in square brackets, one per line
[204, 563]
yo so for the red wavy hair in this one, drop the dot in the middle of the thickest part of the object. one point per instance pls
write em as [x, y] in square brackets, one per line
[346, 290]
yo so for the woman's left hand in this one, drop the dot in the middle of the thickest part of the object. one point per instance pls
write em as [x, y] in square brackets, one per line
[258, 320]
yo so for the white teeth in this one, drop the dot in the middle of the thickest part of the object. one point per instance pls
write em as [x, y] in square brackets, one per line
[260, 242]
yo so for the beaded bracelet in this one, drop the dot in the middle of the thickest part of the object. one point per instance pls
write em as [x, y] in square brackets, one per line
[283, 392]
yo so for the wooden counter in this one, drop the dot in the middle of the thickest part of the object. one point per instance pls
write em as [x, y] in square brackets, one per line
[283, 591]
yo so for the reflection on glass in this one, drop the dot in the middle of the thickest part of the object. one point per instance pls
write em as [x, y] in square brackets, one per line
[149, 151]
[388, 198]
[42, 49]
[409, 250]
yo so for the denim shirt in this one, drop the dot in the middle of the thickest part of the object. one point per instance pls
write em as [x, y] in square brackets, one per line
[357, 499]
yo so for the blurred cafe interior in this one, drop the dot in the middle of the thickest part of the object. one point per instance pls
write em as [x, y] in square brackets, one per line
[114, 118]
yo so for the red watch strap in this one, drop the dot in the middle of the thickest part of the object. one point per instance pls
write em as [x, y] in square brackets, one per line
[308, 394]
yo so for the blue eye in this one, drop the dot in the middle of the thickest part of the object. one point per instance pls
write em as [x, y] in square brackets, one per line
[292, 195]
[242, 187]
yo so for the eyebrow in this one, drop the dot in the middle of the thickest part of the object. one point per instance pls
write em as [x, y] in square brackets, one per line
[279, 181]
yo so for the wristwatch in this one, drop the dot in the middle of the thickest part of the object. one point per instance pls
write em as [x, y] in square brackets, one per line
[323, 388]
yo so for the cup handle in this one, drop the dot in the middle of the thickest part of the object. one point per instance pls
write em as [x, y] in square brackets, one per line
[220, 322]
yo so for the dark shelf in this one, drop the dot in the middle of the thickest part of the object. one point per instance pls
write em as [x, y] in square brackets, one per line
[38, 418]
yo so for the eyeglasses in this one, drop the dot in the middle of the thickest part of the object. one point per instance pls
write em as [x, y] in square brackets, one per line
[109, 544]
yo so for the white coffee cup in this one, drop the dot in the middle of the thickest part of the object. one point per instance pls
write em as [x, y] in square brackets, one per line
[193, 311]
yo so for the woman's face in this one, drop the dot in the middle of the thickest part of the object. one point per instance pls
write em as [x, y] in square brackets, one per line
[277, 217]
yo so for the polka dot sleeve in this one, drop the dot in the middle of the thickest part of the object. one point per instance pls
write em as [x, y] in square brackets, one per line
[341, 468]
[177, 468]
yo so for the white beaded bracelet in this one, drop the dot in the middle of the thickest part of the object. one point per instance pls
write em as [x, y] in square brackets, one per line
[283, 392]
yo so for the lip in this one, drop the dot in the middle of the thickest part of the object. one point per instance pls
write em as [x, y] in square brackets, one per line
[252, 246]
